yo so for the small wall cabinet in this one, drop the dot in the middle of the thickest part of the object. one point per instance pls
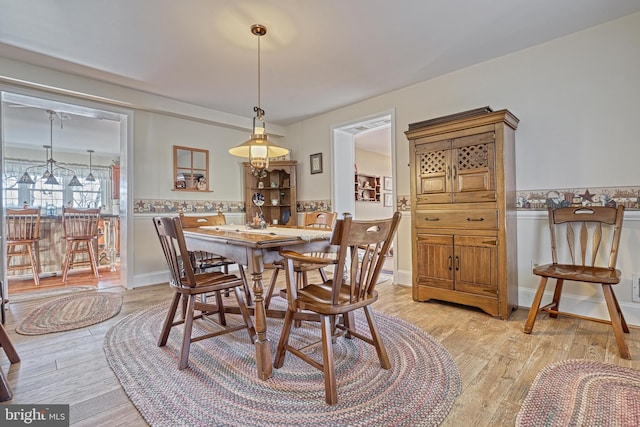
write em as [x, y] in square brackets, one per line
[367, 188]
[273, 196]
[463, 211]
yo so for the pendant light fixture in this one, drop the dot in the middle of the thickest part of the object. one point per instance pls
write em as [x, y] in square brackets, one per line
[50, 164]
[258, 148]
[90, 177]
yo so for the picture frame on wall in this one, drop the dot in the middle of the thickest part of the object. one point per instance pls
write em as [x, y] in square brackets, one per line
[316, 163]
[388, 199]
[387, 183]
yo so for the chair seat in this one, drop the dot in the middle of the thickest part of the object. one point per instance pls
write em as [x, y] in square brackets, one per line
[299, 267]
[210, 282]
[579, 273]
[317, 297]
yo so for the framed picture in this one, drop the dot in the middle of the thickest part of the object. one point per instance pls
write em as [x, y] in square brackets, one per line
[316, 163]
[388, 183]
[388, 199]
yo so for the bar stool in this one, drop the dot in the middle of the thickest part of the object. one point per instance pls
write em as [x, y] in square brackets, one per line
[80, 228]
[23, 226]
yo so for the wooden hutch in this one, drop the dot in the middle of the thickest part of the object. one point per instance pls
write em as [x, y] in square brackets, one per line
[463, 210]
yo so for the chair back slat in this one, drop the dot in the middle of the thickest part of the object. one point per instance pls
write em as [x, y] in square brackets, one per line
[592, 222]
[319, 220]
[367, 243]
[169, 230]
[80, 223]
[191, 221]
[22, 224]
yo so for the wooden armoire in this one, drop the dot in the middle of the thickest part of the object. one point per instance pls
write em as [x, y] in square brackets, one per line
[464, 210]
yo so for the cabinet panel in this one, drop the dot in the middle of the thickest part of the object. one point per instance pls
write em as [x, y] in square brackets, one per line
[435, 260]
[476, 264]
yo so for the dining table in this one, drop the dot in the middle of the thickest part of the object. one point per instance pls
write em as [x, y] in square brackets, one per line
[254, 248]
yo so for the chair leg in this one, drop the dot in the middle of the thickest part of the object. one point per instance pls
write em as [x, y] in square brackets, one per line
[93, 259]
[284, 339]
[67, 261]
[245, 284]
[615, 321]
[245, 315]
[34, 263]
[556, 297]
[272, 286]
[186, 338]
[377, 339]
[535, 306]
[166, 328]
[221, 317]
[623, 322]
[331, 394]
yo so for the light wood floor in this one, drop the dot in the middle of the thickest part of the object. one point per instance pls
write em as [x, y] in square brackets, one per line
[497, 362]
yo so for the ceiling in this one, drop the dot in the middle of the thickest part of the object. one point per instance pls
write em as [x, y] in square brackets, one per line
[316, 56]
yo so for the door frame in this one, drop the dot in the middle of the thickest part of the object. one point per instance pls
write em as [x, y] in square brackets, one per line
[126, 179]
[343, 165]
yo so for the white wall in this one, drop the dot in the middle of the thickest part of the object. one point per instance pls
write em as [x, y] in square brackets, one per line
[577, 99]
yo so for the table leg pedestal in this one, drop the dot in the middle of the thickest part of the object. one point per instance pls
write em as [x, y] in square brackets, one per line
[263, 347]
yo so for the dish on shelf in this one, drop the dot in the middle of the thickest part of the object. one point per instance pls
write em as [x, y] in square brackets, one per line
[285, 216]
[258, 199]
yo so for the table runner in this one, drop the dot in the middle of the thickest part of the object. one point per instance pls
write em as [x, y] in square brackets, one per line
[303, 233]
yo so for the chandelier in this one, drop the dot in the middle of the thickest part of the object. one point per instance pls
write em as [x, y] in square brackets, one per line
[50, 166]
[258, 148]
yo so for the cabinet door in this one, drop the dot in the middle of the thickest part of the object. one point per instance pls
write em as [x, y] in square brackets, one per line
[476, 264]
[433, 172]
[473, 168]
[434, 261]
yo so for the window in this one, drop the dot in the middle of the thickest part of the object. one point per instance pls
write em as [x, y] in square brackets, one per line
[89, 195]
[11, 190]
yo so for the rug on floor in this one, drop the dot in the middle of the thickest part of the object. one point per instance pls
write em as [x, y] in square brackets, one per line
[71, 312]
[48, 293]
[580, 392]
[221, 387]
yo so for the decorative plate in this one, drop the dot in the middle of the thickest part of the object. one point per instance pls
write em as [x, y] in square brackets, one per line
[285, 216]
[258, 199]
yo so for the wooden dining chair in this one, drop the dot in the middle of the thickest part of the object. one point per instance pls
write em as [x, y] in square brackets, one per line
[312, 220]
[80, 228]
[203, 261]
[188, 286]
[341, 295]
[587, 231]
[22, 237]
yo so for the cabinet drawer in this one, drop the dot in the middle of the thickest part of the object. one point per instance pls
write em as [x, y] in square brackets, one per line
[476, 218]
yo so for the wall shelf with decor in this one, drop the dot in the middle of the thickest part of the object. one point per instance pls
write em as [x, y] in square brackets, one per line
[274, 195]
[367, 188]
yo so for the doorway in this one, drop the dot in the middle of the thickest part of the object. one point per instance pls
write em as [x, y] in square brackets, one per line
[84, 138]
[365, 148]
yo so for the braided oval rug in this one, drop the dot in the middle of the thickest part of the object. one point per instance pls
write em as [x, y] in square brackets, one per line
[582, 393]
[71, 312]
[221, 388]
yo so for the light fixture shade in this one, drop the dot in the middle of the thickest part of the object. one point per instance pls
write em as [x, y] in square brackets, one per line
[75, 182]
[26, 179]
[90, 177]
[245, 149]
[52, 180]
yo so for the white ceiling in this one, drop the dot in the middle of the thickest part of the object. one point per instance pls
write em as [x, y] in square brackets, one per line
[317, 55]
